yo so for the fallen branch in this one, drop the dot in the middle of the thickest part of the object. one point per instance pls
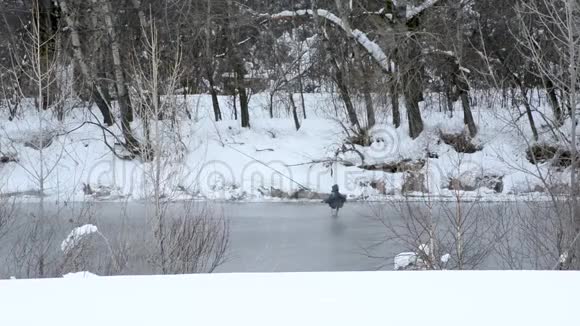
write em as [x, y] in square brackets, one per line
[343, 162]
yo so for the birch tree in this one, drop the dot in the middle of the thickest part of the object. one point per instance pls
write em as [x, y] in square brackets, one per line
[121, 86]
[97, 92]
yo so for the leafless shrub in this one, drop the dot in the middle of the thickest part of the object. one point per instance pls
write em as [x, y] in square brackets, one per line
[31, 253]
[7, 214]
[197, 243]
[443, 235]
[33, 248]
[535, 235]
[435, 230]
[194, 241]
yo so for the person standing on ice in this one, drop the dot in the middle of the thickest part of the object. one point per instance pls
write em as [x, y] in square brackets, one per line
[335, 200]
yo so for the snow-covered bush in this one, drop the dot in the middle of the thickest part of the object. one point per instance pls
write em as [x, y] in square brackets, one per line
[86, 248]
[406, 261]
[76, 236]
[413, 260]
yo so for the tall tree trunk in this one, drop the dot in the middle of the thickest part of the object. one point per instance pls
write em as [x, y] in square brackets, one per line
[449, 97]
[412, 84]
[412, 92]
[342, 86]
[99, 95]
[529, 113]
[240, 86]
[142, 19]
[122, 93]
[394, 85]
[302, 102]
[463, 89]
[467, 115]
[209, 69]
[554, 103]
[214, 97]
[294, 111]
[271, 104]
[414, 117]
[460, 78]
[366, 88]
[244, 110]
[104, 105]
[235, 105]
[345, 95]
[237, 63]
[368, 104]
[518, 83]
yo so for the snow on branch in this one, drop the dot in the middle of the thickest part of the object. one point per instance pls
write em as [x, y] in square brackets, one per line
[76, 235]
[414, 11]
[487, 58]
[371, 47]
[450, 54]
[438, 51]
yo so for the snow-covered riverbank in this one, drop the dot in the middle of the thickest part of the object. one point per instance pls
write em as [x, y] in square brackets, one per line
[271, 161]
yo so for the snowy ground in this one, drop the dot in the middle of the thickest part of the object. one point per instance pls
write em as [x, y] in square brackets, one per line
[222, 161]
[359, 298]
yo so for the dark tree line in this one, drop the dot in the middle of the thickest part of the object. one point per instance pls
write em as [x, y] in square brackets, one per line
[233, 48]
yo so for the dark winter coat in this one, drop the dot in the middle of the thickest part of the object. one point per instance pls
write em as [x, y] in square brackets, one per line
[336, 199]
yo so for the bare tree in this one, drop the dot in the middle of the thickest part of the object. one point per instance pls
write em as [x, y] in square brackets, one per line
[192, 241]
[197, 241]
[455, 234]
[211, 62]
[7, 214]
[559, 19]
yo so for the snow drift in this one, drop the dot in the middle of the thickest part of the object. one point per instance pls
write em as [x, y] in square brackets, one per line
[359, 298]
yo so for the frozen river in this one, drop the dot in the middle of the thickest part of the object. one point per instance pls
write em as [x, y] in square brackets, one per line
[286, 237]
[264, 237]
